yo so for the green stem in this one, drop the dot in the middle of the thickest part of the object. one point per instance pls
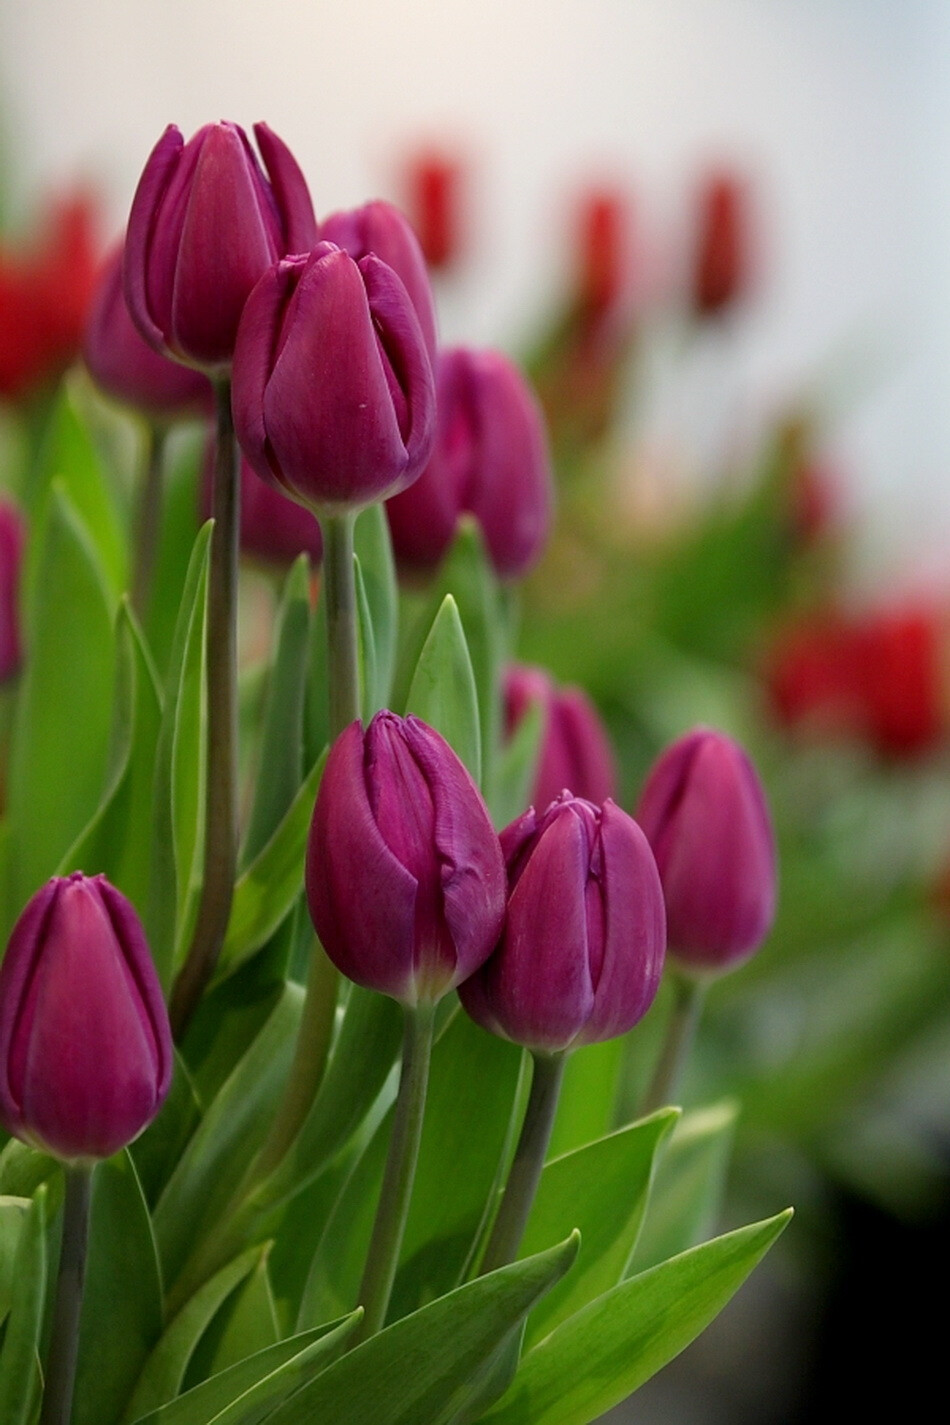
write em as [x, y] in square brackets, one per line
[339, 583]
[64, 1342]
[688, 995]
[220, 853]
[382, 1258]
[503, 1244]
[148, 519]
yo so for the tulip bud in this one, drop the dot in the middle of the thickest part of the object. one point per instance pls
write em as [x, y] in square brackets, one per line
[85, 1046]
[575, 752]
[12, 540]
[490, 460]
[704, 812]
[380, 228]
[274, 529]
[434, 182]
[333, 401]
[721, 272]
[405, 877]
[205, 225]
[581, 953]
[127, 368]
[603, 253]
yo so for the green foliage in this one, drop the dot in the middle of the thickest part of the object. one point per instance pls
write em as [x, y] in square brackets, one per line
[19, 1374]
[443, 691]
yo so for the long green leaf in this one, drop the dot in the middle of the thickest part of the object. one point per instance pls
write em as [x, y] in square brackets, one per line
[19, 1379]
[690, 1181]
[13, 1212]
[443, 691]
[374, 551]
[601, 1355]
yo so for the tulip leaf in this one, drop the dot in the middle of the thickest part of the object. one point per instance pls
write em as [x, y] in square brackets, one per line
[248, 1392]
[374, 552]
[116, 840]
[602, 1189]
[517, 768]
[13, 1211]
[472, 1085]
[369, 690]
[689, 1185]
[177, 533]
[218, 1154]
[585, 1108]
[419, 1368]
[603, 1353]
[245, 1324]
[266, 891]
[164, 1370]
[19, 1376]
[60, 737]
[122, 1302]
[158, 1149]
[280, 764]
[443, 691]
[24, 1169]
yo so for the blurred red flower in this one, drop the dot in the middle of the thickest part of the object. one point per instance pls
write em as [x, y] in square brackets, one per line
[434, 182]
[721, 262]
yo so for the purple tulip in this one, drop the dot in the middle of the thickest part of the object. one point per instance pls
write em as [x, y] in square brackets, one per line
[12, 541]
[581, 954]
[380, 228]
[85, 1047]
[334, 401]
[405, 877]
[490, 460]
[704, 812]
[126, 368]
[274, 528]
[204, 227]
[575, 753]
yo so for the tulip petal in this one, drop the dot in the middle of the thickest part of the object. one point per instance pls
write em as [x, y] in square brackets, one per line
[156, 176]
[294, 203]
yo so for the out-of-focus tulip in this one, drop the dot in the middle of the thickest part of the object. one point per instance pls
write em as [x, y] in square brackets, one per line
[581, 953]
[490, 460]
[12, 540]
[126, 368]
[45, 292]
[433, 201]
[721, 263]
[334, 401]
[381, 229]
[603, 253]
[85, 1047]
[704, 813]
[274, 528]
[205, 225]
[575, 753]
[405, 877]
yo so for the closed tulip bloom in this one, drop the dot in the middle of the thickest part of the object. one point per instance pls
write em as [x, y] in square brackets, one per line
[333, 401]
[405, 877]
[205, 225]
[721, 273]
[126, 368]
[85, 1047]
[574, 753]
[581, 954]
[490, 460]
[274, 529]
[381, 228]
[12, 540]
[704, 812]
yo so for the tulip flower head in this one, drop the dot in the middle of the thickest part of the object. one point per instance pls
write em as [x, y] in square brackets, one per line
[575, 751]
[12, 540]
[126, 368]
[434, 182]
[205, 225]
[705, 815]
[490, 460]
[581, 954]
[721, 272]
[405, 877]
[85, 1046]
[333, 396]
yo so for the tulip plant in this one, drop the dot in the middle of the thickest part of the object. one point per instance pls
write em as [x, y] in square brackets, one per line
[302, 947]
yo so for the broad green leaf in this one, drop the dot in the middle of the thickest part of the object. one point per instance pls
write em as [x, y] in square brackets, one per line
[164, 1370]
[245, 1324]
[159, 1148]
[369, 695]
[374, 551]
[18, 1376]
[601, 1355]
[689, 1184]
[585, 1108]
[602, 1189]
[296, 1232]
[24, 1169]
[116, 840]
[517, 768]
[179, 784]
[216, 1158]
[418, 1369]
[61, 728]
[443, 692]
[279, 771]
[179, 530]
[122, 1301]
[266, 891]
[13, 1212]
[248, 1392]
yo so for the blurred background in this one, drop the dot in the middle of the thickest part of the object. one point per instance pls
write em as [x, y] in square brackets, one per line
[718, 234]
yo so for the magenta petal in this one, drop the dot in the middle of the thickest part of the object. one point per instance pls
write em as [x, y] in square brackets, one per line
[290, 190]
[256, 342]
[156, 175]
[401, 336]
